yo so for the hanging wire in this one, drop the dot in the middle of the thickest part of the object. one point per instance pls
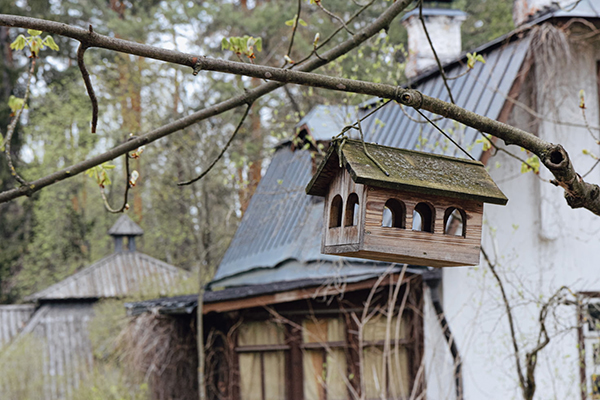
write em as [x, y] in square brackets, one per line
[445, 134]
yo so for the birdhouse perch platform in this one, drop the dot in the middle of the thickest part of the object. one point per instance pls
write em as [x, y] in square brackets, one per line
[428, 211]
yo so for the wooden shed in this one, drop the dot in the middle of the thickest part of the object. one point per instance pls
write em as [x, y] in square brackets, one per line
[417, 208]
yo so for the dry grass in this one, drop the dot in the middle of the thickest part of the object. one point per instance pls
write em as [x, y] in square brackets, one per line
[163, 350]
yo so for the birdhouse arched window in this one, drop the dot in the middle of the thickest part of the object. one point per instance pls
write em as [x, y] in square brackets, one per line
[352, 210]
[335, 213]
[394, 214]
[455, 222]
[423, 218]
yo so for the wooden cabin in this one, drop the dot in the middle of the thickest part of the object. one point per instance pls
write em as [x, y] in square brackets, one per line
[415, 208]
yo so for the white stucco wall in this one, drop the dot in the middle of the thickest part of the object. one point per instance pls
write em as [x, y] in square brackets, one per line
[540, 244]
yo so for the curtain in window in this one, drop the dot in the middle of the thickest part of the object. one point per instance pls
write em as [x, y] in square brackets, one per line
[394, 384]
[325, 367]
[264, 369]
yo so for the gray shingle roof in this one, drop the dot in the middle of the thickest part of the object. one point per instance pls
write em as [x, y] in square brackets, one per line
[125, 227]
[117, 275]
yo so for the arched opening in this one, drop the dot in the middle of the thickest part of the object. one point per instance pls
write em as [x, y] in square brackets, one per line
[352, 210]
[335, 212]
[394, 214]
[423, 217]
[455, 222]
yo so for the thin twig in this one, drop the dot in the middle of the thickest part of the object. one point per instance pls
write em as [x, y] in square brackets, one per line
[88, 85]
[362, 139]
[125, 204]
[587, 125]
[437, 59]
[332, 15]
[335, 32]
[497, 148]
[416, 120]
[509, 315]
[13, 126]
[223, 150]
[295, 28]
[445, 134]
[355, 126]
[591, 169]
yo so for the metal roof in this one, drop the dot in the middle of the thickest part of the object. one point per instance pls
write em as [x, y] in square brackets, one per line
[64, 355]
[430, 12]
[117, 275]
[13, 319]
[279, 237]
[482, 90]
[280, 233]
[125, 227]
[407, 170]
[324, 121]
[576, 8]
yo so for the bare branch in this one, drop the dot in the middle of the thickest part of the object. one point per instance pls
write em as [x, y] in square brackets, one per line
[437, 59]
[88, 85]
[13, 126]
[295, 28]
[332, 15]
[511, 322]
[382, 22]
[223, 150]
[445, 134]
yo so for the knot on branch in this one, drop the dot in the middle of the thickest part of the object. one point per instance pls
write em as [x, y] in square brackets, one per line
[198, 64]
[408, 97]
[556, 158]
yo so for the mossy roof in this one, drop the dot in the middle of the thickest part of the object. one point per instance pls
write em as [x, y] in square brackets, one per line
[410, 171]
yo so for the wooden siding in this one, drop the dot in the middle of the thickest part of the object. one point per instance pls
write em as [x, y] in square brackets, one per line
[13, 319]
[416, 247]
[343, 185]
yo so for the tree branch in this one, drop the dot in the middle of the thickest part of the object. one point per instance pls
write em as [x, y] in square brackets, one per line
[382, 22]
[223, 150]
[437, 59]
[578, 193]
[88, 84]
[13, 126]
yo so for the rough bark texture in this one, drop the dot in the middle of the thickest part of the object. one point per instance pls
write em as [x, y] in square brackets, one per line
[578, 193]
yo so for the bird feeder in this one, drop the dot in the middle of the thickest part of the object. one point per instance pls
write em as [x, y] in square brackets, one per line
[415, 208]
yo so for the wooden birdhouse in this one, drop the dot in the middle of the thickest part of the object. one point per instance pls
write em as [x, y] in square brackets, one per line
[427, 211]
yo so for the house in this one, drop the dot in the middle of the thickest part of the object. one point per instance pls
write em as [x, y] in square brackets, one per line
[58, 316]
[274, 290]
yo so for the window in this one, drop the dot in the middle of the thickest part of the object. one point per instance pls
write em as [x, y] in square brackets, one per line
[394, 214]
[390, 379]
[324, 359]
[261, 356]
[423, 218]
[455, 222]
[335, 213]
[352, 210]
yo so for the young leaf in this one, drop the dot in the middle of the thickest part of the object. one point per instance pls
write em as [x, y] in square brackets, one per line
[302, 22]
[225, 44]
[582, 99]
[49, 41]
[290, 22]
[258, 44]
[19, 43]
[15, 103]
[532, 164]
[33, 32]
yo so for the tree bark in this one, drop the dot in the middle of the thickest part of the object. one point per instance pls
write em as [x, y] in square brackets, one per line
[578, 193]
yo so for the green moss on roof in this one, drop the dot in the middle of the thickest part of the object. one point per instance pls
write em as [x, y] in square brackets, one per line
[411, 171]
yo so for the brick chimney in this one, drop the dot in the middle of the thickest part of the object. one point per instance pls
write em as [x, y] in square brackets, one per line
[443, 26]
[525, 10]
